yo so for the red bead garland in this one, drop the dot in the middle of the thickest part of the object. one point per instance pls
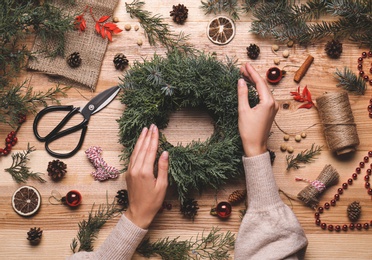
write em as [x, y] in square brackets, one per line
[360, 66]
[340, 191]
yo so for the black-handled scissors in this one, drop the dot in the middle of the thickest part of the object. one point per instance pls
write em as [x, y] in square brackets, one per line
[95, 105]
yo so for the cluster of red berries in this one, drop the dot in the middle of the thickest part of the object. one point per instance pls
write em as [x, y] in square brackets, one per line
[10, 141]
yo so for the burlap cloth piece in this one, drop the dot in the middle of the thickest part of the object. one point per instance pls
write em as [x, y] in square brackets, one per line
[89, 44]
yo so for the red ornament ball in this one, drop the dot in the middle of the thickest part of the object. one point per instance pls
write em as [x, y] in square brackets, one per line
[223, 209]
[274, 75]
[73, 198]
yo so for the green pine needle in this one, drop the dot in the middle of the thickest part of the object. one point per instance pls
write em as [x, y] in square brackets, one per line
[89, 229]
[351, 82]
[214, 245]
[218, 6]
[19, 171]
[157, 29]
[305, 156]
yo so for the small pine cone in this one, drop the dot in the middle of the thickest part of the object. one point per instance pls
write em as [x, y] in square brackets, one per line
[34, 235]
[237, 196]
[333, 49]
[120, 61]
[179, 13]
[353, 211]
[189, 208]
[56, 169]
[122, 198]
[74, 60]
[253, 51]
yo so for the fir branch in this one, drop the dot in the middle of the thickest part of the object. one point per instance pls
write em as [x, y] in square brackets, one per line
[305, 156]
[19, 171]
[16, 100]
[156, 29]
[89, 229]
[285, 21]
[350, 82]
[214, 245]
[217, 6]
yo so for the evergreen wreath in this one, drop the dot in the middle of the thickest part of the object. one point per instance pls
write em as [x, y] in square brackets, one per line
[155, 89]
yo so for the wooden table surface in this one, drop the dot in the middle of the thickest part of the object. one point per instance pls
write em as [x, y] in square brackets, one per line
[60, 224]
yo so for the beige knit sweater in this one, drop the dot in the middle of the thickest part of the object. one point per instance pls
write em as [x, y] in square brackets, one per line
[269, 229]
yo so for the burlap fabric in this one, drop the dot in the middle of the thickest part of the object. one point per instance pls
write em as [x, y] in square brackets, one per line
[89, 44]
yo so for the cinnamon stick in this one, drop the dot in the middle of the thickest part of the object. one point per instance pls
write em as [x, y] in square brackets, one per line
[302, 70]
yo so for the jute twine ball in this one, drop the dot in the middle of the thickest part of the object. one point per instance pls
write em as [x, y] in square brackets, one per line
[338, 122]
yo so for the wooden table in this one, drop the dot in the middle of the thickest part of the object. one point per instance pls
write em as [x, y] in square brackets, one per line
[60, 222]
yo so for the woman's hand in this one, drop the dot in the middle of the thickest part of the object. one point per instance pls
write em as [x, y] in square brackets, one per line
[255, 123]
[146, 193]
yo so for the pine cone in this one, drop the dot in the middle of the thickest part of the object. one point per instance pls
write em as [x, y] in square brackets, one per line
[120, 61]
[333, 49]
[34, 235]
[189, 208]
[56, 169]
[237, 196]
[353, 211]
[74, 60]
[253, 51]
[122, 198]
[179, 13]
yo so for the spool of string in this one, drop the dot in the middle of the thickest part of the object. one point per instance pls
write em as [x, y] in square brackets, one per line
[311, 193]
[338, 122]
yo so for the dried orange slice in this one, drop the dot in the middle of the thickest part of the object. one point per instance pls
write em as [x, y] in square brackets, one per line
[26, 201]
[221, 30]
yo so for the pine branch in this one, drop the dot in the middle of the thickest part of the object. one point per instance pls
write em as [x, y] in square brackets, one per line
[16, 100]
[89, 229]
[218, 6]
[156, 29]
[214, 245]
[19, 171]
[351, 82]
[285, 21]
[305, 156]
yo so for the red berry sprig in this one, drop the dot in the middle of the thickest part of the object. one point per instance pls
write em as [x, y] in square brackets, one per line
[11, 139]
[340, 191]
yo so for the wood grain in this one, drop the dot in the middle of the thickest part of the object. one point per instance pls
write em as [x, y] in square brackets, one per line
[60, 223]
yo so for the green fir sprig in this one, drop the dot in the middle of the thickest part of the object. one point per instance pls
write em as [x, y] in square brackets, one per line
[349, 81]
[156, 29]
[21, 99]
[214, 245]
[305, 156]
[286, 21]
[89, 229]
[218, 6]
[19, 171]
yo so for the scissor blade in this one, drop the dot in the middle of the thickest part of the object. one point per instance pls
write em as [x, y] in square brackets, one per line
[100, 101]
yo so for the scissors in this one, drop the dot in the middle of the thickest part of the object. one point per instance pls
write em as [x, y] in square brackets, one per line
[94, 105]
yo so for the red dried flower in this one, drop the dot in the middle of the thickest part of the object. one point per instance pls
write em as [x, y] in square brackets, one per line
[302, 97]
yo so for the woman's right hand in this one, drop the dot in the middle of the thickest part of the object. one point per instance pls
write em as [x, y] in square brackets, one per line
[255, 123]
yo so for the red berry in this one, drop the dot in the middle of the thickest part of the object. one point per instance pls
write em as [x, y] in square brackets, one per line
[367, 185]
[366, 226]
[320, 209]
[355, 176]
[317, 222]
[327, 205]
[364, 54]
[340, 191]
[361, 164]
[344, 227]
[333, 202]
[366, 159]
[358, 226]
[357, 169]
[323, 225]
[366, 178]
[350, 181]
[338, 228]
[344, 185]
[330, 227]
[360, 60]
[352, 226]
[337, 196]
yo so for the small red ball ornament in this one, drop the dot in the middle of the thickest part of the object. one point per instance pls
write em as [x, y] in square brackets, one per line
[223, 209]
[73, 198]
[274, 75]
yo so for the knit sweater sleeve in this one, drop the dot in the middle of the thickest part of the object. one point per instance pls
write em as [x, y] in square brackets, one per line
[269, 229]
[120, 244]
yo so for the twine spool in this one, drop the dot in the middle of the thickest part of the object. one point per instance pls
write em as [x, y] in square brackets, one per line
[338, 122]
[310, 194]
